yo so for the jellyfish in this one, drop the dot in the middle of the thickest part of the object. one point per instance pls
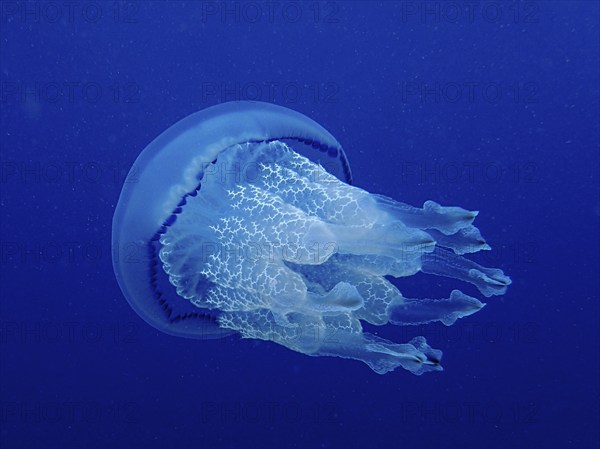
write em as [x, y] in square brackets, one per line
[242, 219]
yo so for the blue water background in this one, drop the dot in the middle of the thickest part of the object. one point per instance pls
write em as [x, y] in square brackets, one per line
[391, 80]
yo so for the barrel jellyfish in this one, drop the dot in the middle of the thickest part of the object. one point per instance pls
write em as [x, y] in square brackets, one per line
[242, 219]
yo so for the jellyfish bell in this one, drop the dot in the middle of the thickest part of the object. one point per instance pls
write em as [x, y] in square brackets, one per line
[168, 171]
[242, 219]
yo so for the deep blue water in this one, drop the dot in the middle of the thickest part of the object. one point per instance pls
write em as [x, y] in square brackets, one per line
[492, 106]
